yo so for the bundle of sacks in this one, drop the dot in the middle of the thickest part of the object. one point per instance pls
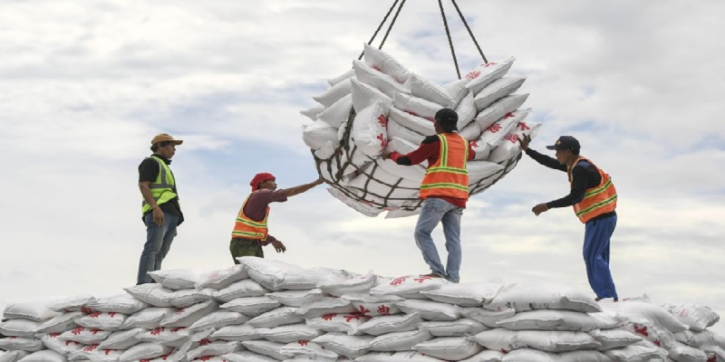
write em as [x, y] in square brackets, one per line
[379, 106]
[264, 310]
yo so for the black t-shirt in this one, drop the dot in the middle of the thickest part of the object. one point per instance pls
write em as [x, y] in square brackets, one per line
[149, 170]
[584, 176]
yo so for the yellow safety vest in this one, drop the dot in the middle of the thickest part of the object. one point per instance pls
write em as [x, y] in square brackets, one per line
[163, 188]
[246, 228]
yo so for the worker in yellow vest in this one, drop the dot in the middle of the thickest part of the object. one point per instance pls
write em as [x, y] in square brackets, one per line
[160, 206]
[250, 231]
[444, 190]
[594, 200]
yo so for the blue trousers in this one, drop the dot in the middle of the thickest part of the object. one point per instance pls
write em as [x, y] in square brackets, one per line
[432, 212]
[158, 243]
[596, 256]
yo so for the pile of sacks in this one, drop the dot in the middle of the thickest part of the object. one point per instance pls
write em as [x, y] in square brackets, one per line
[264, 310]
[380, 106]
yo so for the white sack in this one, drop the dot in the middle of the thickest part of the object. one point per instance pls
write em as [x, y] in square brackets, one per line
[187, 317]
[313, 111]
[308, 350]
[60, 324]
[44, 356]
[121, 303]
[449, 348]
[429, 310]
[369, 130]
[458, 328]
[84, 335]
[697, 317]
[464, 294]
[122, 339]
[19, 328]
[338, 322]
[348, 285]
[37, 312]
[148, 318]
[399, 341]
[499, 109]
[558, 320]
[21, 344]
[218, 320]
[267, 348]
[383, 62]
[290, 333]
[385, 83]
[295, 298]
[373, 305]
[349, 73]
[342, 344]
[364, 95]
[318, 133]
[408, 284]
[238, 333]
[173, 337]
[550, 341]
[144, 351]
[246, 356]
[334, 93]
[213, 349]
[325, 306]
[110, 321]
[523, 297]
[251, 306]
[72, 304]
[407, 356]
[338, 113]
[486, 73]
[240, 289]
[276, 317]
[496, 90]
[176, 279]
[381, 325]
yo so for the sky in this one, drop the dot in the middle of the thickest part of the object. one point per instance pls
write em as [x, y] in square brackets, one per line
[86, 84]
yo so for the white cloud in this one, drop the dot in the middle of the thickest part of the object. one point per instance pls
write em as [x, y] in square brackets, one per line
[86, 85]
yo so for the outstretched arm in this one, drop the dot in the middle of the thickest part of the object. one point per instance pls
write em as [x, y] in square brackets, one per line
[296, 190]
[547, 161]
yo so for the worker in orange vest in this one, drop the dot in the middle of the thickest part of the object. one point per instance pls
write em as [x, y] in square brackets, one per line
[594, 199]
[444, 190]
[250, 232]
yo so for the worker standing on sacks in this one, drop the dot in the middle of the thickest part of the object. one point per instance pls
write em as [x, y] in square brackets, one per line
[250, 232]
[594, 199]
[445, 191]
[160, 206]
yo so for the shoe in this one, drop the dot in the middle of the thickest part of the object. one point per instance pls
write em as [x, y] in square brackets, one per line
[433, 275]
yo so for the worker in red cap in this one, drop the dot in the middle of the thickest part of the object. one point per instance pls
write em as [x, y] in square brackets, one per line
[250, 229]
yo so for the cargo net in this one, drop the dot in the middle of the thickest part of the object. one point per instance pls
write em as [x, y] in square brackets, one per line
[379, 107]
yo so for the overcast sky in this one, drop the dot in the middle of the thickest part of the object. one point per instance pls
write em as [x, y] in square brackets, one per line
[86, 84]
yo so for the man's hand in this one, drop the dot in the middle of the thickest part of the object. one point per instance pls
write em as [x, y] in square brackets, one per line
[319, 181]
[538, 209]
[158, 216]
[279, 246]
[385, 155]
[524, 142]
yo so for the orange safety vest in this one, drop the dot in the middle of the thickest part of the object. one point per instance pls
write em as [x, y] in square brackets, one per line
[448, 176]
[597, 200]
[246, 228]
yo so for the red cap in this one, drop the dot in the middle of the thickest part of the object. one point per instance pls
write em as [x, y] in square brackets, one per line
[256, 182]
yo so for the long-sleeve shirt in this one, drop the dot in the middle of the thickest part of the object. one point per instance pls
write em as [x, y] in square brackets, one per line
[256, 207]
[429, 150]
[584, 176]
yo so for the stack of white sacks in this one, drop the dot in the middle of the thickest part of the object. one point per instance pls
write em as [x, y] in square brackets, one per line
[392, 110]
[264, 310]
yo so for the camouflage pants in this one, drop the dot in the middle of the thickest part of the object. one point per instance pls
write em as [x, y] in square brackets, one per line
[245, 247]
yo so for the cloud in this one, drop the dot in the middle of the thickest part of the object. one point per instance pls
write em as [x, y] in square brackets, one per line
[86, 86]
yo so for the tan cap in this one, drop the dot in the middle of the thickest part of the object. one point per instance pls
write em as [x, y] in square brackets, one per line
[165, 137]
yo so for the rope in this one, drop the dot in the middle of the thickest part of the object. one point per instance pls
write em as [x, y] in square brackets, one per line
[391, 24]
[463, 19]
[379, 27]
[448, 34]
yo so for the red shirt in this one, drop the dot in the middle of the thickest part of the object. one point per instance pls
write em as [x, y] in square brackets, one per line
[430, 150]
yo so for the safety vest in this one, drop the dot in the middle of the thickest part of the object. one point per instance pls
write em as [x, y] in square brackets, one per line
[163, 188]
[598, 200]
[246, 228]
[448, 176]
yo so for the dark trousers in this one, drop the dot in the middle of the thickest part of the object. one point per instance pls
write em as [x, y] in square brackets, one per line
[245, 247]
[596, 256]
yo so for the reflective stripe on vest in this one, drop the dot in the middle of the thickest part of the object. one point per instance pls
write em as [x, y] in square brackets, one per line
[163, 189]
[448, 176]
[597, 200]
[246, 228]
